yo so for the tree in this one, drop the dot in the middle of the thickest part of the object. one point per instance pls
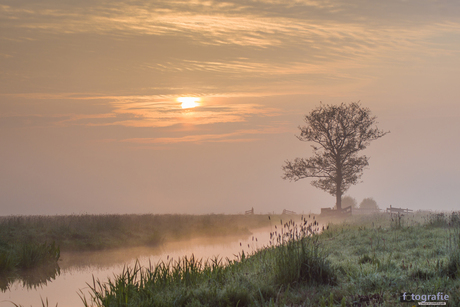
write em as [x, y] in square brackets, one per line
[338, 134]
[368, 203]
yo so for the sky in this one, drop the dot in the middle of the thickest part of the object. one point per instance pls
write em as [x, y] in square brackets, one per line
[90, 120]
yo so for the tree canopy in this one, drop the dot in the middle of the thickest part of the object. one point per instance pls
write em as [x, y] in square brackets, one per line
[349, 201]
[338, 133]
[368, 203]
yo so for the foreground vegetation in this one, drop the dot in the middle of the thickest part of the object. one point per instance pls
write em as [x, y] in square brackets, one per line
[20, 261]
[248, 280]
[361, 262]
[95, 232]
[26, 255]
[28, 242]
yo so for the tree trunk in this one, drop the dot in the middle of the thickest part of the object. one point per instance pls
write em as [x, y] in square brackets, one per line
[338, 184]
[338, 196]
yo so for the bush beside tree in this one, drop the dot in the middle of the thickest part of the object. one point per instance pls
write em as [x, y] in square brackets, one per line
[368, 203]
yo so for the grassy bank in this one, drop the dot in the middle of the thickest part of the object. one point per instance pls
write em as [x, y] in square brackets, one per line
[22, 260]
[249, 280]
[25, 240]
[26, 255]
[364, 261]
[94, 232]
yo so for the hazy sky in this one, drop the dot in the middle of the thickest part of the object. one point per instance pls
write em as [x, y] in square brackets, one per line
[90, 122]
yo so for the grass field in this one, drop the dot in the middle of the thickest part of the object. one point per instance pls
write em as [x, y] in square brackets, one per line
[366, 261]
[360, 261]
[28, 242]
[93, 232]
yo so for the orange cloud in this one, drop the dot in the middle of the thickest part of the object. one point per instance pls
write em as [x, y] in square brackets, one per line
[205, 138]
[155, 111]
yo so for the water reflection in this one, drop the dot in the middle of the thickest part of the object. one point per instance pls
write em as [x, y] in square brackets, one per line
[202, 247]
[77, 269]
[30, 279]
[64, 283]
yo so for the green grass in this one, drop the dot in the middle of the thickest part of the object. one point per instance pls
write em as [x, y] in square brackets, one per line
[23, 239]
[249, 281]
[363, 261]
[26, 255]
[95, 232]
[33, 263]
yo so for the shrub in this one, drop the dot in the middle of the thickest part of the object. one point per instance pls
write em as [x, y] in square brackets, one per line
[368, 203]
[349, 201]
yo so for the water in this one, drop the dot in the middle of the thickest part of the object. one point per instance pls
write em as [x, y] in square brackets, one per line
[77, 269]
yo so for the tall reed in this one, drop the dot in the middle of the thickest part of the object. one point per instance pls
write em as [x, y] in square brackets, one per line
[247, 280]
[27, 255]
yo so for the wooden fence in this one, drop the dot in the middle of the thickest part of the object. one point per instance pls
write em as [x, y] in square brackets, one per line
[249, 211]
[335, 212]
[392, 210]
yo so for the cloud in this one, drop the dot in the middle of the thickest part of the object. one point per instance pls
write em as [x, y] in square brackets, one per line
[9, 121]
[172, 47]
[153, 111]
[232, 137]
[145, 111]
[259, 24]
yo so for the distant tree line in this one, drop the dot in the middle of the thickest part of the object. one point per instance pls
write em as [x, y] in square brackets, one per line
[366, 203]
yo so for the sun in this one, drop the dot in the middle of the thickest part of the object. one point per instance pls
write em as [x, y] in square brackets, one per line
[189, 102]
